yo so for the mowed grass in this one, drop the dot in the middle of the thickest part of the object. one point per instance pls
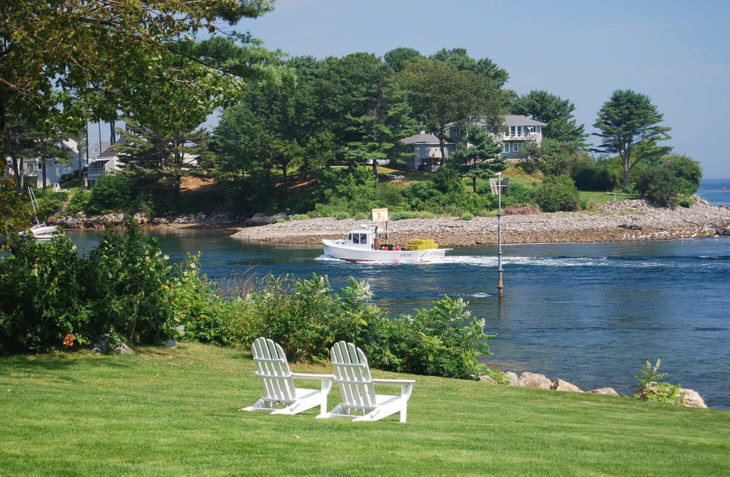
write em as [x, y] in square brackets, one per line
[175, 412]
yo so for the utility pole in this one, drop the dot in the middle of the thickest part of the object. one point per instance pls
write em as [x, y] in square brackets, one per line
[500, 284]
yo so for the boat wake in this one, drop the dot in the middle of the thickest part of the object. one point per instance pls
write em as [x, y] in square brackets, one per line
[554, 261]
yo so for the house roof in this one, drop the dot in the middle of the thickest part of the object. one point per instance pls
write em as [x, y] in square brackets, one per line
[422, 138]
[111, 151]
[509, 120]
[519, 120]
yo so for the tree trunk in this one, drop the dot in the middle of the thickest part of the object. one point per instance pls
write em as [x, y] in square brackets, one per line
[375, 168]
[18, 185]
[21, 177]
[627, 170]
[286, 180]
[43, 167]
[474, 183]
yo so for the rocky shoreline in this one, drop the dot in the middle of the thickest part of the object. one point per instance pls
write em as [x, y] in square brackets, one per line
[688, 397]
[612, 222]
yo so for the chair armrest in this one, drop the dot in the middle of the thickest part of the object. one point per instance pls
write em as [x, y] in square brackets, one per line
[314, 377]
[394, 381]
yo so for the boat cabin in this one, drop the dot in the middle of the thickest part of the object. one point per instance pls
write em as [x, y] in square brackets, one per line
[364, 237]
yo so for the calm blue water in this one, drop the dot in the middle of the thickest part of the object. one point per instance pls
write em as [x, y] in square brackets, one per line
[591, 314]
[711, 189]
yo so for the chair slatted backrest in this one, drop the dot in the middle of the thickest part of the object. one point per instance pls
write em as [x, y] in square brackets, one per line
[273, 369]
[352, 375]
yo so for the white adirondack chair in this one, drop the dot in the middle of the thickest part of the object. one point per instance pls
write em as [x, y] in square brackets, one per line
[278, 380]
[359, 400]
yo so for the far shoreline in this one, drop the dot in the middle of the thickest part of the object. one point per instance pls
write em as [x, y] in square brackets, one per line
[626, 221]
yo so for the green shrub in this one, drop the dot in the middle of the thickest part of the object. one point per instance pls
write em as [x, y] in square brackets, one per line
[499, 376]
[300, 217]
[667, 183]
[131, 286]
[342, 216]
[651, 389]
[362, 216]
[112, 192]
[79, 202]
[306, 317]
[557, 193]
[197, 305]
[685, 202]
[50, 297]
[467, 216]
[518, 195]
[42, 296]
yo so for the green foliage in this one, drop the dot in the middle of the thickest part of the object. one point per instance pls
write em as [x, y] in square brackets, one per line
[651, 389]
[595, 175]
[481, 159]
[672, 181]
[52, 298]
[557, 193]
[629, 126]
[43, 295]
[130, 277]
[444, 340]
[112, 192]
[198, 307]
[79, 202]
[499, 376]
[556, 112]
[306, 317]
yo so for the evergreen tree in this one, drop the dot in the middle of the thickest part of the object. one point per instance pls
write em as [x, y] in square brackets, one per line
[630, 126]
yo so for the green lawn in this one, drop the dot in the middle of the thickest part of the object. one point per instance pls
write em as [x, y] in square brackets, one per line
[175, 412]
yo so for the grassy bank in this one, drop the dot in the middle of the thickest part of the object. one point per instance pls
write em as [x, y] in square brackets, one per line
[173, 412]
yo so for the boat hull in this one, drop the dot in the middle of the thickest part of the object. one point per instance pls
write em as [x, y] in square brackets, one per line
[41, 232]
[361, 254]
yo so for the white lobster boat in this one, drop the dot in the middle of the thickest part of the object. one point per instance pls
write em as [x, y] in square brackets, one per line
[362, 246]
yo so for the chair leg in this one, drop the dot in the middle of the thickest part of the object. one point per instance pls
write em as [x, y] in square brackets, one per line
[260, 405]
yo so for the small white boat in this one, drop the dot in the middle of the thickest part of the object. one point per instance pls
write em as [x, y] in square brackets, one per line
[40, 231]
[362, 246]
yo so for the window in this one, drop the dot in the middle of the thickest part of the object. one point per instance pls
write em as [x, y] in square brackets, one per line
[355, 238]
[349, 237]
[515, 147]
[363, 238]
[519, 130]
[511, 130]
[505, 147]
[538, 129]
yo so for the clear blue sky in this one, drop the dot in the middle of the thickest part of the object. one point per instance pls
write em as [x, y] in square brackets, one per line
[677, 53]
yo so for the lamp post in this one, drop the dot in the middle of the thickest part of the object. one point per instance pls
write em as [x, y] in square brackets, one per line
[500, 285]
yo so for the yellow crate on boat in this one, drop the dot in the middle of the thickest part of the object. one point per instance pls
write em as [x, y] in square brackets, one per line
[421, 244]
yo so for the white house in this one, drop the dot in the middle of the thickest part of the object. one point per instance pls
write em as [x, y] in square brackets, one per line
[110, 161]
[518, 130]
[55, 168]
[426, 152]
[107, 161]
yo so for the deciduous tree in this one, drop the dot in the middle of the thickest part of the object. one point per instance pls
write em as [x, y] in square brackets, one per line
[441, 95]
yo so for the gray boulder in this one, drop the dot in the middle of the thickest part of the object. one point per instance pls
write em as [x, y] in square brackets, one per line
[514, 380]
[691, 398]
[606, 391]
[534, 380]
[560, 385]
[123, 349]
